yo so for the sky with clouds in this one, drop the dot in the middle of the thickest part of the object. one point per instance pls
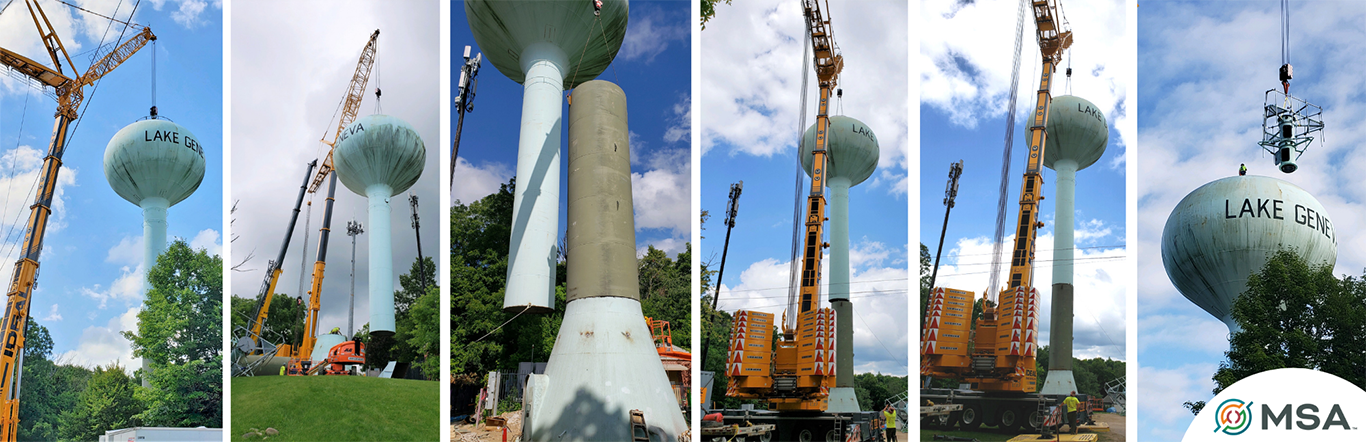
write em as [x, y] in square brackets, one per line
[285, 97]
[1204, 68]
[90, 285]
[653, 68]
[965, 69]
[752, 68]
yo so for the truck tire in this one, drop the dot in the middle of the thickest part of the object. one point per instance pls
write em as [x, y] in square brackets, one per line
[971, 417]
[1010, 418]
[1033, 418]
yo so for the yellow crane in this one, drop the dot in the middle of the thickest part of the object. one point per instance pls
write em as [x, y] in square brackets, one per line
[301, 356]
[68, 91]
[998, 355]
[793, 382]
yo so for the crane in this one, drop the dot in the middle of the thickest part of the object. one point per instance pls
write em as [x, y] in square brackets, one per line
[355, 92]
[794, 384]
[69, 94]
[1000, 361]
[350, 107]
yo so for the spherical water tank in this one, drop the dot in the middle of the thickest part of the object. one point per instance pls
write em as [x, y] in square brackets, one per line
[852, 149]
[1226, 230]
[379, 149]
[588, 43]
[154, 158]
[1076, 131]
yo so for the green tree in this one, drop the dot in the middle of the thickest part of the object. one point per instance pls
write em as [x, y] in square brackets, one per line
[1296, 315]
[420, 274]
[284, 324]
[924, 280]
[666, 291]
[180, 334]
[48, 388]
[425, 340]
[107, 403]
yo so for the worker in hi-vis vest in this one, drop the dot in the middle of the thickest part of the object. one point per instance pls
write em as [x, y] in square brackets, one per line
[1071, 403]
[889, 417]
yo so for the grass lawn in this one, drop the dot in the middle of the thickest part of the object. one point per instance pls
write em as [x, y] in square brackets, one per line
[356, 408]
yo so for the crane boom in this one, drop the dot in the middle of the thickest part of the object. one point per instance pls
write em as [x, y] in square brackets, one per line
[69, 97]
[273, 268]
[355, 92]
[829, 63]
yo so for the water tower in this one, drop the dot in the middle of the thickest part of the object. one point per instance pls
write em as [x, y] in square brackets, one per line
[1226, 230]
[379, 156]
[852, 157]
[548, 47]
[153, 163]
[604, 363]
[1077, 133]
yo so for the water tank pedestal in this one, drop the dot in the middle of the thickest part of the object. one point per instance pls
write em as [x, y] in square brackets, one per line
[548, 47]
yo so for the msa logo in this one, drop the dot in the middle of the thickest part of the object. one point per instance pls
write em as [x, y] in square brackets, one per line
[1307, 415]
[1234, 417]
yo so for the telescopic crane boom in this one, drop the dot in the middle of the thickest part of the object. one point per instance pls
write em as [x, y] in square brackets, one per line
[273, 269]
[69, 96]
[800, 378]
[350, 107]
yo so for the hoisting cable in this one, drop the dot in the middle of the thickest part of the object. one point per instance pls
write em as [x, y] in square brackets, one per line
[116, 12]
[994, 287]
[1287, 72]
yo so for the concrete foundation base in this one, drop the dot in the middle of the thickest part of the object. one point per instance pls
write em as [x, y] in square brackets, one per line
[604, 365]
[1059, 382]
[843, 400]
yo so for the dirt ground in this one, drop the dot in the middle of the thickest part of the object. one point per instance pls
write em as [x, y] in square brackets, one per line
[1116, 423]
[465, 432]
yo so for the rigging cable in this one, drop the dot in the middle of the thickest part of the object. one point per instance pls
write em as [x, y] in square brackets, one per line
[993, 287]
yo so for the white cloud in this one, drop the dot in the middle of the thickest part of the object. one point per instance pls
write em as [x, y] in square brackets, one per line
[649, 34]
[52, 314]
[753, 77]
[680, 124]
[965, 69]
[127, 252]
[100, 346]
[188, 12]
[207, 239]
[671, 246]
[128, 287]
[1163, 413]
[19, 170]
[661, 200]
[473, 182]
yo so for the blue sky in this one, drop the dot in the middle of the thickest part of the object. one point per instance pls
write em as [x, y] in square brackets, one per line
[965, 67]
[1203, 70]
[653, 67]
[752, 75]
[89, 287]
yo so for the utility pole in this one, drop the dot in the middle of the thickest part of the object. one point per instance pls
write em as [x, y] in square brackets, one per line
[732, 208]
[352, 229]
[464, 100]
[421, 267]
